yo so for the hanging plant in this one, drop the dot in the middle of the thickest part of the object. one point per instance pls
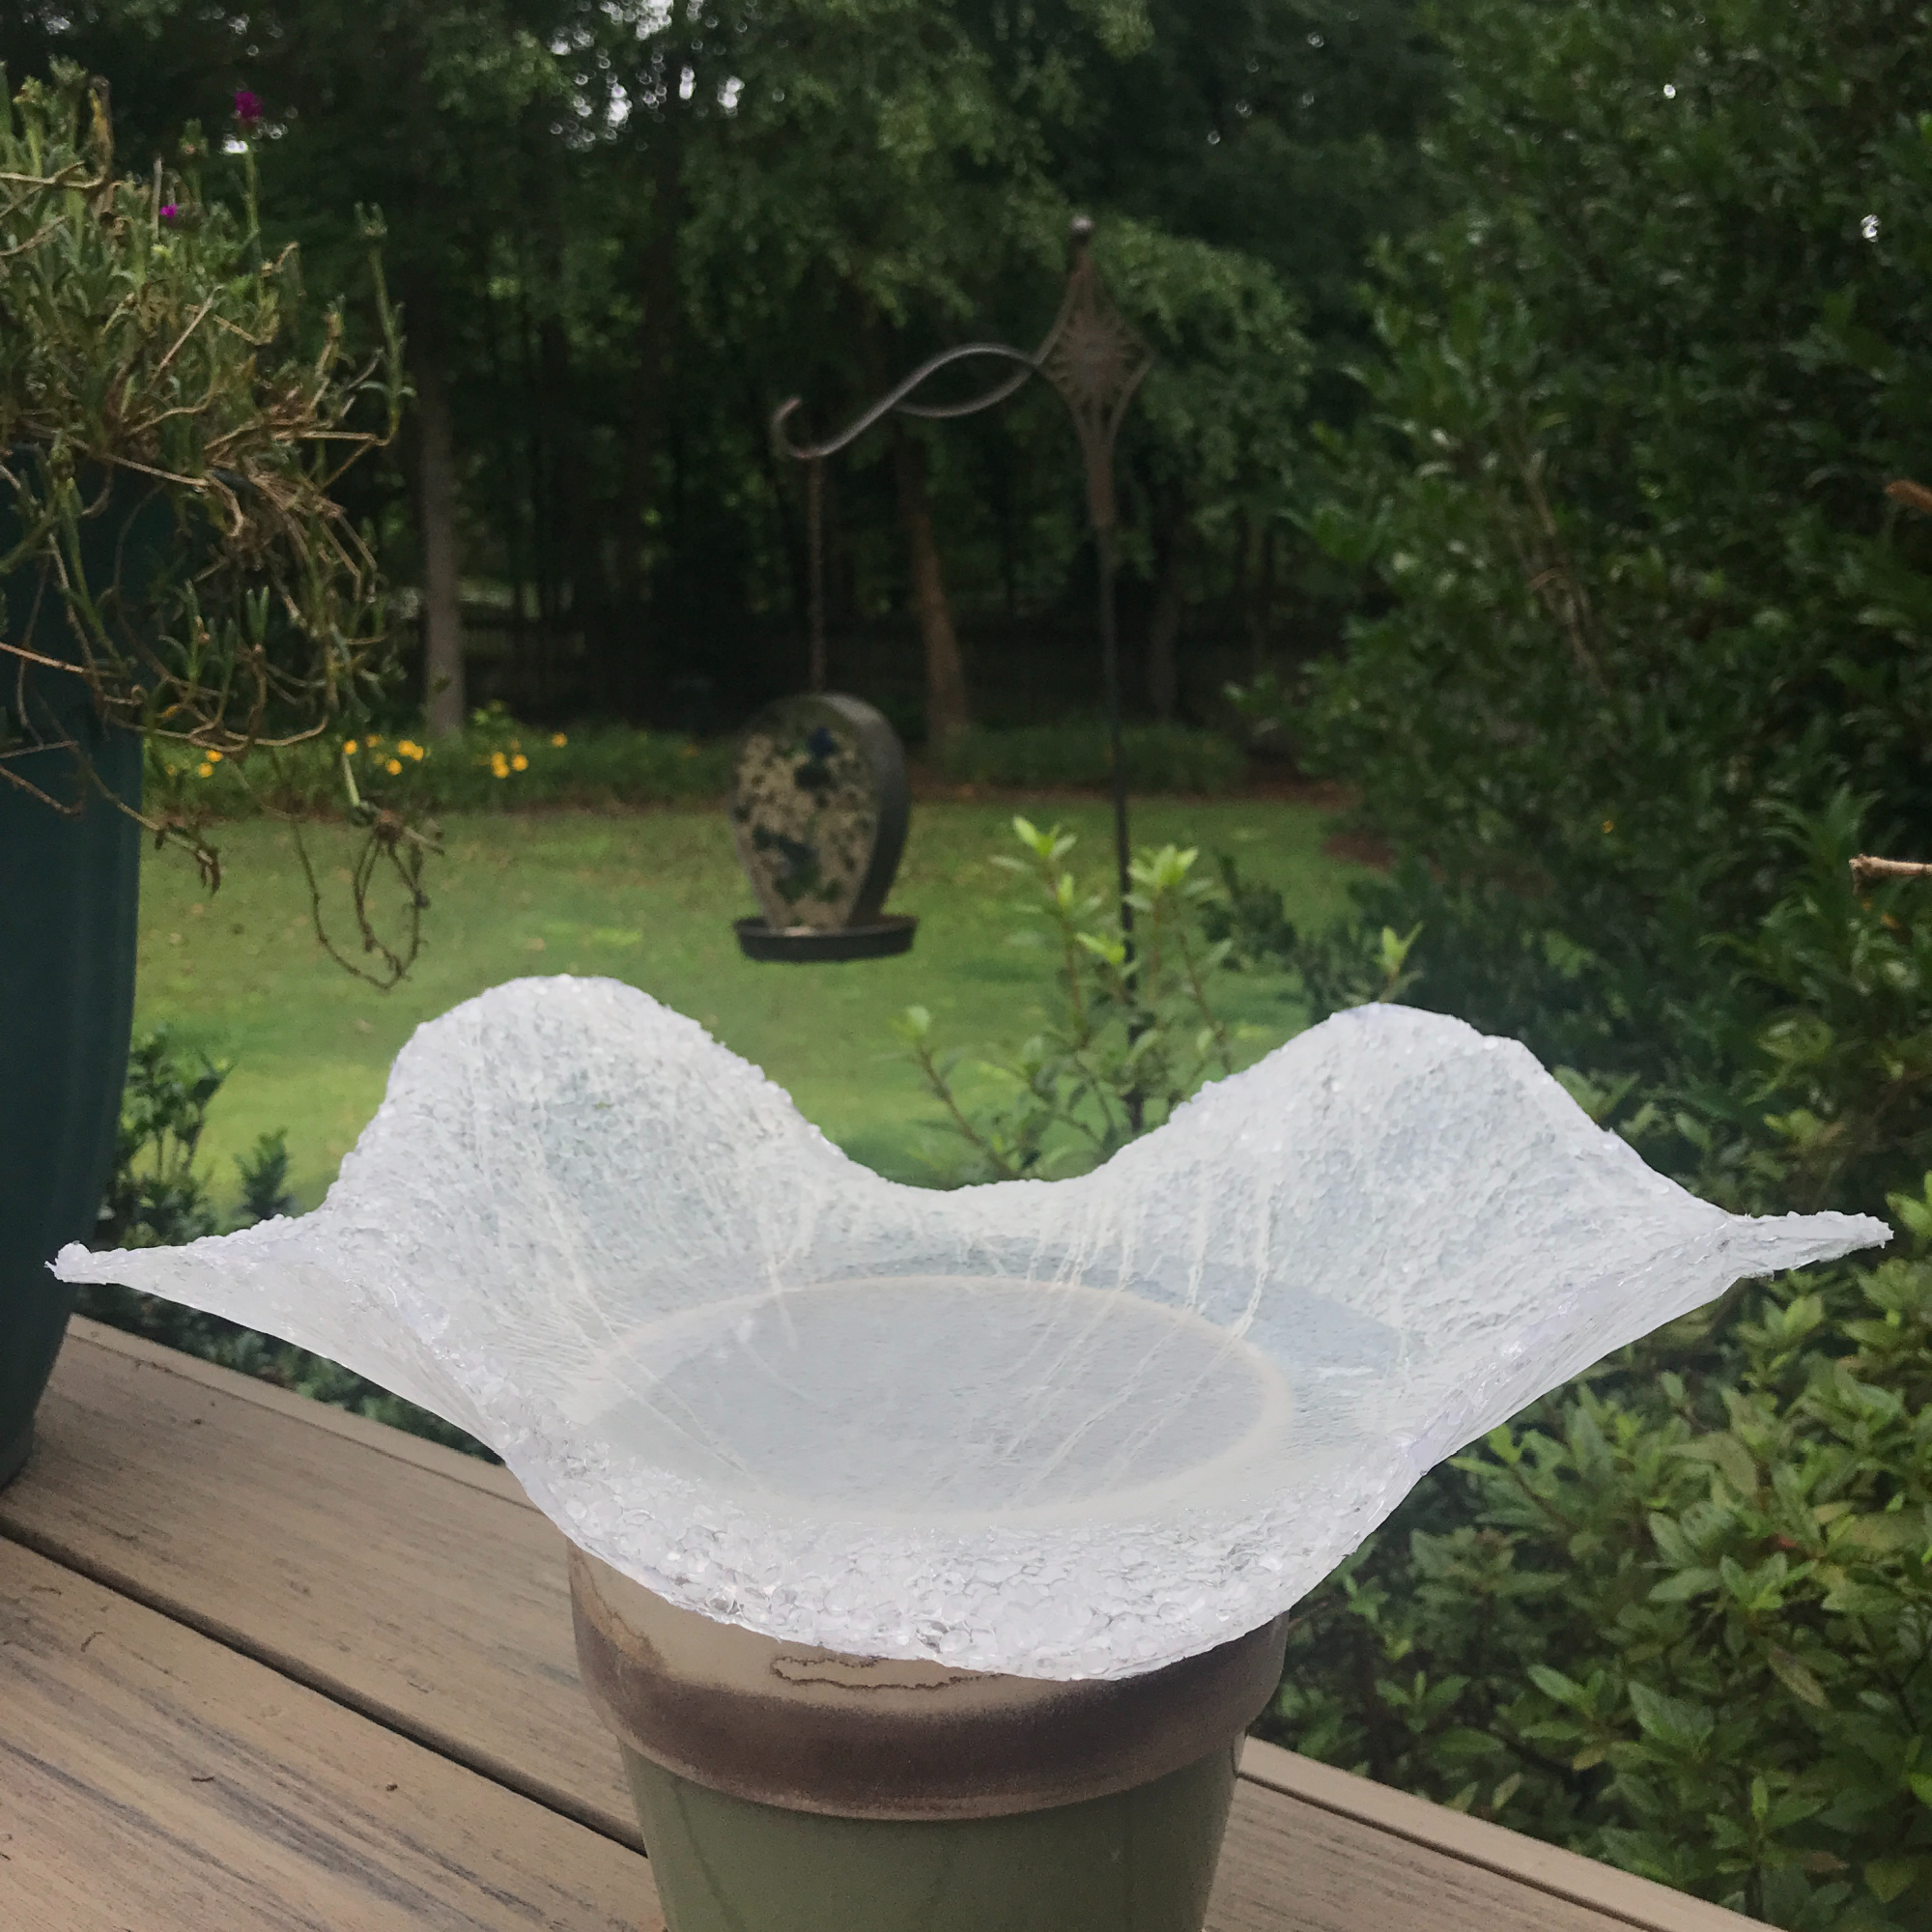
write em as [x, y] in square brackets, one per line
[174, 419]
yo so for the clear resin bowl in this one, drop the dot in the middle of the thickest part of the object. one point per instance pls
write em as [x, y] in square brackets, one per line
[1058, 1428]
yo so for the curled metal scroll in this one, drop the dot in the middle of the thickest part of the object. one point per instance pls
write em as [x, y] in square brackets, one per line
[1093, 356]
[813, 454]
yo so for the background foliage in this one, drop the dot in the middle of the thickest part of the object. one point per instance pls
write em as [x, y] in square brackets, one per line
[622, 230]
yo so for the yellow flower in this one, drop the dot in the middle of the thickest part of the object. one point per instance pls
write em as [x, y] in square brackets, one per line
[374, 741]
[499, 764]
[520, 763]
[204, 770]
[348, 748]
[394, 766]
[212, 757]
[410, 749]
[1610, 825]
[559, 738]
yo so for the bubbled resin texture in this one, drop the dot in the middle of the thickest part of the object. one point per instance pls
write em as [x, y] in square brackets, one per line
[1059, 1429]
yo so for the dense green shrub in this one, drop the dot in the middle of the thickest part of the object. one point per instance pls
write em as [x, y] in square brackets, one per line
[1037, 757]
[1621, 503]
[1648, 668]
[1680, 1621]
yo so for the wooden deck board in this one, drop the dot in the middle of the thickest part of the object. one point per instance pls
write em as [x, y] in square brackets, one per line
[416, 1596]
[436, 1606]
[1402, 1820]
[1293, 1865]
[152, 1779]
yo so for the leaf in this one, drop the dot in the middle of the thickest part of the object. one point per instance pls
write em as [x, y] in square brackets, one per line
[1887, 1878]
[1893, 1532]
[1553, 1683]
[1862, 1599]
[1668, 1535]
[1796, 1677]
[1684, 1585]
[1671, 1721]
[1727, 1456]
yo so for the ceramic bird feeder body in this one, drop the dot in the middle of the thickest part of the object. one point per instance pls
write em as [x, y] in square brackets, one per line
[819, 808]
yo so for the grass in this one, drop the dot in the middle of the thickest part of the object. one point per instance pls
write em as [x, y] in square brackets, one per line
[648, 897]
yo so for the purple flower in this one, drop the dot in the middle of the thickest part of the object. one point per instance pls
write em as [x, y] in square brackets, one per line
[247, 110]
[169, 211]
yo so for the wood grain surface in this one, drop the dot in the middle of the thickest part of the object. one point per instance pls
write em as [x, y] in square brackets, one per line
[1403, 1819]
[417, 1598]
[1292, 1868]
[397, 1584]
[151, 1778]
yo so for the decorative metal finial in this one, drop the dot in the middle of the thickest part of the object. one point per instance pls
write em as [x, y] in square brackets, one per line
[1095, 358]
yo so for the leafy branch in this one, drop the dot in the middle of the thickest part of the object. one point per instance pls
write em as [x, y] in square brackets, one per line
[1135, 1033]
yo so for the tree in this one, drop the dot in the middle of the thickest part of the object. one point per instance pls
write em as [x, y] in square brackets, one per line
[623, 230]
[1639, 398]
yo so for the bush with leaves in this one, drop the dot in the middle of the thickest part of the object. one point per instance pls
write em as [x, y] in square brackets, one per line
[1675, 1619]
[1634, 585]
[1135, 1033]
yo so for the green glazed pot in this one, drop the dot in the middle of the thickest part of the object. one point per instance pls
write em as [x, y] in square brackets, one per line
[1142, 1861]
[785, 1789]
[69, 894]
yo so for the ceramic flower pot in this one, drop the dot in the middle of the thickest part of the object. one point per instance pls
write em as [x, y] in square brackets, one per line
[783, 1788]
[67, 994]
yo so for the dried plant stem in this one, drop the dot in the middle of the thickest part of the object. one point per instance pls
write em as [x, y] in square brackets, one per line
[1868, 871]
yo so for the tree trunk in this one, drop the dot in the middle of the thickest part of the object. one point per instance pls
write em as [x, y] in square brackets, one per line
[1261, 596]
[441, 567]
[645, 438]
[1163, 631]
[947, 710]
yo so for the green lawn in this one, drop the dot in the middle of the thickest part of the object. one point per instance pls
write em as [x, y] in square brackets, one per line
[648, 897]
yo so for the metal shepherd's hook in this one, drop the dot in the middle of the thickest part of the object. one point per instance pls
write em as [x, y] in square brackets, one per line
[1095, 359]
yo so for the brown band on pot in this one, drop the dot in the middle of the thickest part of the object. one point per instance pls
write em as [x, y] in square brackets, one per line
[812, 1730]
